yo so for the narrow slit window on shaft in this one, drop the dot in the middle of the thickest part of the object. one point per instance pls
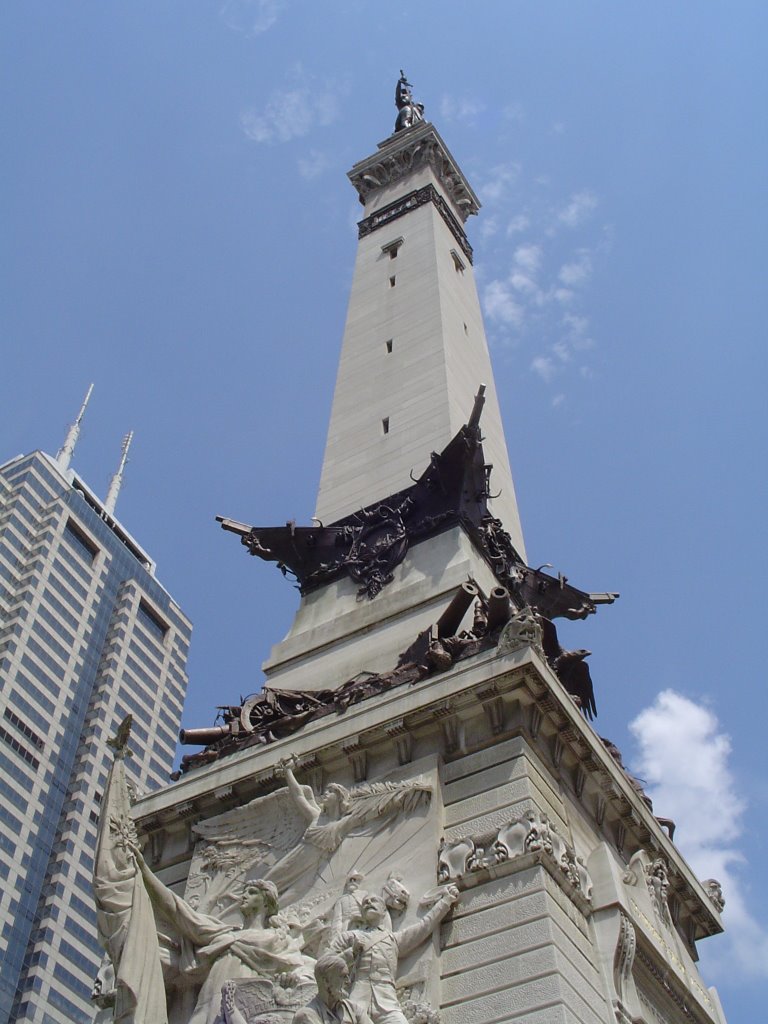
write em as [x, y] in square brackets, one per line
[392, 248]
[389, 345]
[385, 425]
[392, 281]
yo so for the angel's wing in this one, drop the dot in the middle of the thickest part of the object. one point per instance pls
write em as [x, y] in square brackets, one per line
[229, 846]
[272, 822]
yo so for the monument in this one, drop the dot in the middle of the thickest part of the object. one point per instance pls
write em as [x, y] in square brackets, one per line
[414, 820]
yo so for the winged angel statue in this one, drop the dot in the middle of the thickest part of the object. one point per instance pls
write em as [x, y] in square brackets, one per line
[294, 838]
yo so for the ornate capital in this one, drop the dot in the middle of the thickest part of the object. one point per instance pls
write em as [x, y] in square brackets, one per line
[408, 151]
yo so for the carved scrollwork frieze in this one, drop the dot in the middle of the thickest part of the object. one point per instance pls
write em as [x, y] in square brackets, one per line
[533, 833]
[412, 201]
[626, 948]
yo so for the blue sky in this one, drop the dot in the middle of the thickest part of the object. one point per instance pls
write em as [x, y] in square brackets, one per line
[179, 229]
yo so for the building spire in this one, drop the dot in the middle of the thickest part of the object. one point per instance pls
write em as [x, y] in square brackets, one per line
[65, 453]
[117, 479]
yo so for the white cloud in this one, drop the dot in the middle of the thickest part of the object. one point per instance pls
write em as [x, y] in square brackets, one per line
[501, 306]
[501, 178]
[488, 227]
[578, 209]
[514, 112]
[577, 325]
[577, 271]
[526, 261]
[463, 109]
[540, 294]
[544, 366]
[528, 258]
[519, 223]
[684, 756]
[313, 164]
[562, 351]
[293, 111]
[523, 282]
[558, 400]
[252, 17]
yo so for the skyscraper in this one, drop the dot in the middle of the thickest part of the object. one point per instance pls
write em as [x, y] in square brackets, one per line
[87, 635]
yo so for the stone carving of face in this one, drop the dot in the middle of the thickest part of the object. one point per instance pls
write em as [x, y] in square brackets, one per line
[352, 884]
[373, 910]
[252, 901]
[336, 981]
[331, 801]
[395, 895]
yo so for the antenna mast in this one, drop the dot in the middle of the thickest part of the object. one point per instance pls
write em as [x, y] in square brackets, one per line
[67, 450]
[117, 479]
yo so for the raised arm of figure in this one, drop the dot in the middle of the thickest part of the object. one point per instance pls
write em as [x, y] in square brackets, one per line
[302, 796]
[161, 895]
[409, 938]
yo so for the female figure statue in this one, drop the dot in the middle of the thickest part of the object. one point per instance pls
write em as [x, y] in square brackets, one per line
[216, 952]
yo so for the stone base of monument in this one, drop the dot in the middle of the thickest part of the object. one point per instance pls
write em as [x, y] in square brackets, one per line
[257, 1001]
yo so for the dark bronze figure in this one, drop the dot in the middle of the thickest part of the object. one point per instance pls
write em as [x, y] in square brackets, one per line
[409, 113]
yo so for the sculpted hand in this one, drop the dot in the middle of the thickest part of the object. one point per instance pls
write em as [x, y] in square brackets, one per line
[451, 893]
[133, 849]
[288, 979]
[286, 764]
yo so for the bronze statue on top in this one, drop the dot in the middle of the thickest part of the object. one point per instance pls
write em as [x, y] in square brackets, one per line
[409, 113]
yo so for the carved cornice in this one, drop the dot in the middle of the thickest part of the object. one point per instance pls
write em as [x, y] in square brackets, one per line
[409, 151]
[412, 201]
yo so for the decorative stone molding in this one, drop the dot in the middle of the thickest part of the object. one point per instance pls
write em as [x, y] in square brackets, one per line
[358, 759]
[522, 630]
[662, 976]
[535, 720]
[185, 809]
[655, 874]
[580, 777]
[532, 833]
[412, 201]
[493, 706]
[714, 890]
[449, 726]
[404, 153]
[557, 751]
[420, 1013]
[626, 947]
[403, 740]
[600, 811]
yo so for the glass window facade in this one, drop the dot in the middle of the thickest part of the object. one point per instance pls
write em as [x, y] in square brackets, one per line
[77, 596]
